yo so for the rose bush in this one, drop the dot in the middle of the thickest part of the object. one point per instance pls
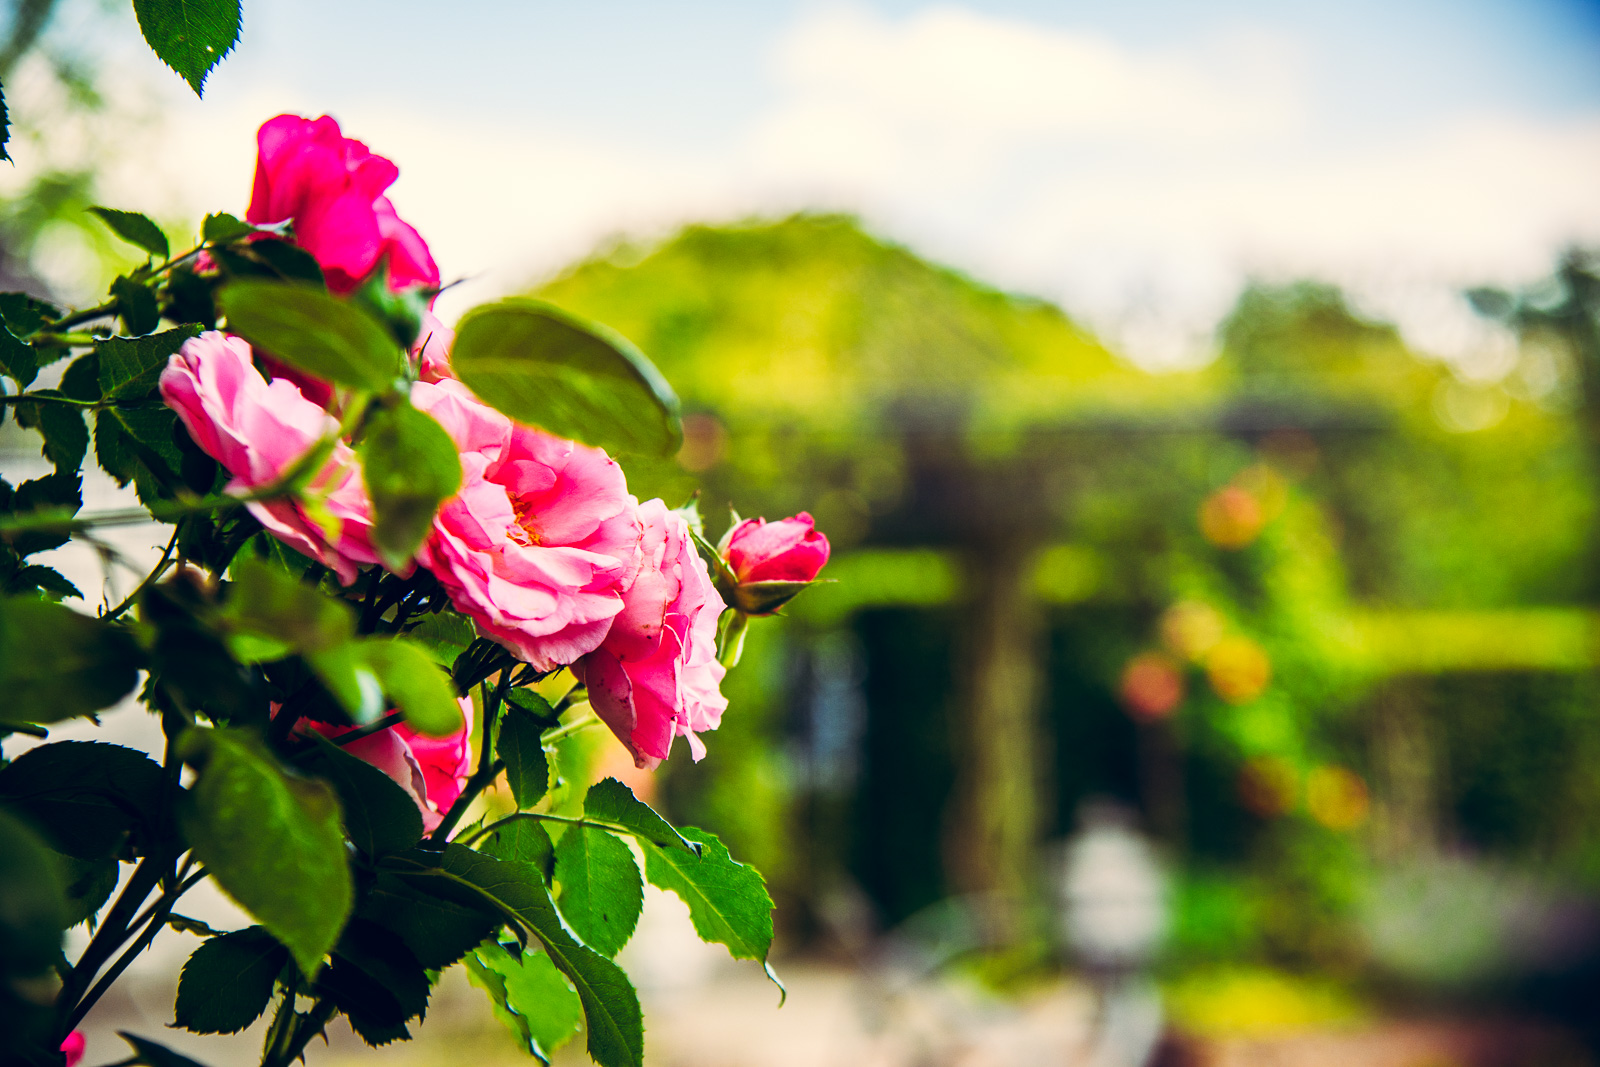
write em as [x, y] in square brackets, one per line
[391, 586]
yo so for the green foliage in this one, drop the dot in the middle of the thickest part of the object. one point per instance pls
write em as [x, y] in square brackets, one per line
[601, 894]
[190, 36]
[576, 379]
[728, 901]
[87, 797]
[518, 745]
[228, 981]
[272, 841]
[379, 816]
[151, 1054]
[529, 996]
[130, 366]
[313, 331]
[57, 664]
[415, 683]
[611, 801]
[409, 466]
[136, 229]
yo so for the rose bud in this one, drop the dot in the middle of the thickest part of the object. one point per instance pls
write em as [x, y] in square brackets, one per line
[766, 563]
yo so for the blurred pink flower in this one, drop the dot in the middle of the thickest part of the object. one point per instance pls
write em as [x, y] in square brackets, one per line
[257, 430]
[73, 1047]
[656, 675]
[536, 546]
[332, 187]
[787, 550]
[431, 769]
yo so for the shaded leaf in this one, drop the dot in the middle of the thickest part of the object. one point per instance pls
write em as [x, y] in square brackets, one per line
[601, 892]
[527, 769]
[289, 262]
[410, 466]
[272, 842]
[376, 981]
[66, 436]
[17, 358]
[152, 1054]
[313, 331]
[271, 614]
[88, 885]
[136, 303]
[227, 982]
[379, 816]
[576, 379]
[135, 228]
[190, 36]
[56, 664]
[438, 931]
[35, 911]
[47, 580]
[85, 795]
[525, 841]
[224, 227]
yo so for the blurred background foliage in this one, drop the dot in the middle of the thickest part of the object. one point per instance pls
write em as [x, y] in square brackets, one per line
[1319, 614]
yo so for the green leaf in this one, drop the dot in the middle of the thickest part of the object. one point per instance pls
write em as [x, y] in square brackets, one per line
[728, 901]
[313, 331]
[86, 796]
[438, 931]
[379, 816]
[5, 129]
[131, 366]
[56, 664]
[444, 636]
[228, 981]
[136, 303]
[525, 841]
[88, 885]
[62, 490]
[135, 228]
[345, 671]
[272, 842]
[576, 379]
[66, 437]
[18, 359]
[416, 684]
[153, 427]
[534, 1001]
[190, 36]
[47, 580]
[527, 769]
[289, 262]
[153, 1054]
[35, 907]
[601, 893]
[268, 607]
[410, 466]
[24, 315]
[608, 800]
[223, 227]
[376, 981]
[516, 890]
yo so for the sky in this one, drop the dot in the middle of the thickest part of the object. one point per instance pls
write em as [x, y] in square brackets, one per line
[1136, 163]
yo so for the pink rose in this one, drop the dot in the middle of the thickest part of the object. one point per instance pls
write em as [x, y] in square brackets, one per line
[257, 430]
[332, 187]
[72, 1048]
[431, 769]
[788, 550]
[656, 675]
[536, 547]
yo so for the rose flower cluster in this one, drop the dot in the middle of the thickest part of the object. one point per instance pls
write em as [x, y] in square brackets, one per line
[543, 547]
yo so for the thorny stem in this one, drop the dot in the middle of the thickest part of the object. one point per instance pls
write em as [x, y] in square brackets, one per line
[304, 1028]
[160, 569]
[488, 768]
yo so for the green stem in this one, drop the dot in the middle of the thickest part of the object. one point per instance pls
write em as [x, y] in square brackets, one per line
[114, 930]
[154, 919]
[305, 1028]
[488, 768]
[544, 816]
[100, 311]
[368, 730]
[160, 569]
[556, 733]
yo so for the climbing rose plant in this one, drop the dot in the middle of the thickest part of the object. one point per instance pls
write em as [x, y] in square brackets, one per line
[404, 568]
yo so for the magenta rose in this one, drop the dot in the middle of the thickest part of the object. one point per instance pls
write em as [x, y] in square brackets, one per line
[656, 675]
[431, 769]
[788, 550]
[538, 544]
[257, 430]
[332, 187]
[72, 1047]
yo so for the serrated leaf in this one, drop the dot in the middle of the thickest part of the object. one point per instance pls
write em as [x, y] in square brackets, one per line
[530, 996]
[59, 490]
[415, 684]
[5, 129]
[131, 366]
[136, 303]
[56, 664]
[47, 580]
[190, 36]
[523, 840]
[601, 892]
[272, 842]
[516, 890]
[88, 885]
[576, 379]
[313, 331]
[135, 228]
[17, 358]
[438, 931]
[527, 769]
[376, 981]
[222, 227]
[608, 800]
[66, 435]
[86, 796]
[410, 466]
[289, 262]
[443, 636]
[728, 901]
[227, 982]
[35, 911]
[379, 816]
